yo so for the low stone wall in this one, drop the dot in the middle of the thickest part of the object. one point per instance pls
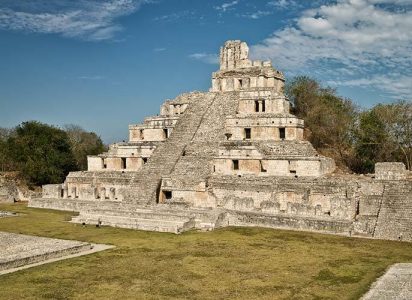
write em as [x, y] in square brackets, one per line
[289, 222]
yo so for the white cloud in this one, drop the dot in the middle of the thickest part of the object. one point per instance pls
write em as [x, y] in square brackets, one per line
[226, 6]
[205, 57]
[256, 15]
[358, 36]
[159, 49]
[397, 85]
[283, 4]
[87, 19]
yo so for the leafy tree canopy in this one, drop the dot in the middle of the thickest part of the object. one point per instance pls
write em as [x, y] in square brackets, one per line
[41, 152]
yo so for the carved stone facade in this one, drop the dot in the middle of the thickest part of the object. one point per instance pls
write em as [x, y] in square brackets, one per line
[232, 156]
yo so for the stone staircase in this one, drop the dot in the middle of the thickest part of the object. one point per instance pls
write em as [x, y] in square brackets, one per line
[165, 157]
[394, 218]
[161, 219]
[195, 167]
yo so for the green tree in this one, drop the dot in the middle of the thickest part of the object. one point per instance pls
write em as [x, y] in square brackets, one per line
[41, 152]
[385, 134]
[83, 143]
[6, 162]
[329, 119]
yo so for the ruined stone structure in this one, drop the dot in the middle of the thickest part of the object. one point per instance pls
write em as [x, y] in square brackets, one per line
[232, 156]
[12, 189]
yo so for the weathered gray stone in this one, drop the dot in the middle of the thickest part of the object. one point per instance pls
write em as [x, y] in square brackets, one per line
[17, 250]
[395, 284]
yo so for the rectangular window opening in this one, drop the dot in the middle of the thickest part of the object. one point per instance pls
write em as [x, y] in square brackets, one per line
[166, 133]
[248, 133]
[263, 106]
[282, 133]
[123, 166]
[235, 164]
[256, 106]
[167, 195]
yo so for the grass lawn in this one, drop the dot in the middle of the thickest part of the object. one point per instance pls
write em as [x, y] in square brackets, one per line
[229, 263]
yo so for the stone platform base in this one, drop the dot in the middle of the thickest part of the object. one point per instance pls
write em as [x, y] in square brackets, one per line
[174, 219]
[17, 250]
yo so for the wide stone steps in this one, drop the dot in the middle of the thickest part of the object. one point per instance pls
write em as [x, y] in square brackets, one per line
[139, 223]
[395, 215]
[165, 157]
[163, 219]
[194, 168]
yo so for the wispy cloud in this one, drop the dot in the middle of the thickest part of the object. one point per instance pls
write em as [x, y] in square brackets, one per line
[205, 57]
[283, 4]
[397, 85]
[185, 14]
[256, 15]
[91, 20]
[159, 49]
[91, 77]
[226, 6]
[361, 37]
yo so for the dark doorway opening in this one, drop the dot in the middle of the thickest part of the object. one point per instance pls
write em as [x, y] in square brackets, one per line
[248, 133]
[167, 195]
[282, 133]
[235, 164]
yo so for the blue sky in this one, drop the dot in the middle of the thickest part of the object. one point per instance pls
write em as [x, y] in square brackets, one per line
[104, 64]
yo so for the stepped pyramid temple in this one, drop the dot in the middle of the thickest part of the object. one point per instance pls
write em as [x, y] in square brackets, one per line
[233, 156]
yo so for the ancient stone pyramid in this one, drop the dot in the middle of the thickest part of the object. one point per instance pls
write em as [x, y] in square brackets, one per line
[232, 156]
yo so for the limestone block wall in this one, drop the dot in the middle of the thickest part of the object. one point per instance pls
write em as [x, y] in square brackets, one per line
[95, 163]
[228, 83]
[122, 157]
[172, 109]
[113, 163]
[153, 129]
[262, 132]
[265, 167]
[263, 101]
[326, 199]
[137, 134]
[52, 191]
[390, 171]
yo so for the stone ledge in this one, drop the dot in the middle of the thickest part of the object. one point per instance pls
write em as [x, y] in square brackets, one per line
[22, 251]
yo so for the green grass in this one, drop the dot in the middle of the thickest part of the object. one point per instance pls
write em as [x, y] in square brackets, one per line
[230, 263]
